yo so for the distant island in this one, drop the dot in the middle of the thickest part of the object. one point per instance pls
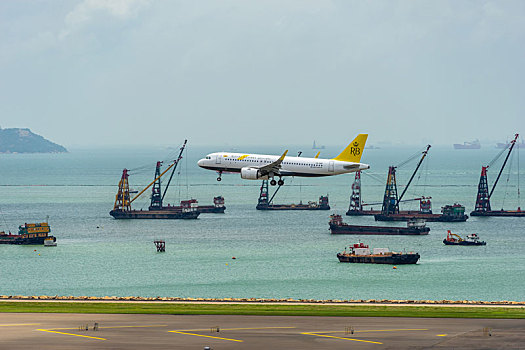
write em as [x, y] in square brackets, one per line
[18, 140]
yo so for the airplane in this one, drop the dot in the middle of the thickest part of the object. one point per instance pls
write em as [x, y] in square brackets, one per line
[265, 167]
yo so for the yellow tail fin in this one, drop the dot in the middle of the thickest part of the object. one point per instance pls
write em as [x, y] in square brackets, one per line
[353, 152]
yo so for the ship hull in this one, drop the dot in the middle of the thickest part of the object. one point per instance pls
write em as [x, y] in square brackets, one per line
[463, 243]
[394, 259]
[291, 207]
[362, 212]
[153, 214]
[23, 241]
[377, 230]
[417, 215]
[200, 208]
[499, 213]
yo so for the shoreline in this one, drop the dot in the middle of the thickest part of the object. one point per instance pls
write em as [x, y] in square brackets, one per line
[288, 301]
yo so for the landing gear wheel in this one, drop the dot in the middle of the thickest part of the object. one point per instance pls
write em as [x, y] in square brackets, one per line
[219, 179]
[220, 176]
[273, 182]
[280, 182]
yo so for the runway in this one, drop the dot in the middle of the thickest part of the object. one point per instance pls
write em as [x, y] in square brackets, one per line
[131, 331]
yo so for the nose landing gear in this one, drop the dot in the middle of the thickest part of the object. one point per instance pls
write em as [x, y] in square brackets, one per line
[220, 176]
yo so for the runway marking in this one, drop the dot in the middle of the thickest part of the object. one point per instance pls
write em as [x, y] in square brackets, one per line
[206, 336]
[229, 329]
[331, 336]
[19, 324]
[159, 325]
[379, 330]
[76, 335]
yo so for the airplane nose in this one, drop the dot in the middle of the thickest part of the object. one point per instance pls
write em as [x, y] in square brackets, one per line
[200, 162]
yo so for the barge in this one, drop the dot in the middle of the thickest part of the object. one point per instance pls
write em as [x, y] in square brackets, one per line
[415, 227]
[483, 206]
[35, 233]
[188, 211]
[122, 207]
[360, 253]
[449, 213]
[218, 206]
[267, 204]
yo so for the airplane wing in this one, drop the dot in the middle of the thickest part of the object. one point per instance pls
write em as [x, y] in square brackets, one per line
[273, 167]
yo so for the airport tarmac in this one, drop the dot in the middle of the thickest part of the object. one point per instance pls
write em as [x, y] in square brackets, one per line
[130, 331]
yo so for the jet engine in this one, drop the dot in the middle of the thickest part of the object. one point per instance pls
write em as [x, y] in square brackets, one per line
[248, 173]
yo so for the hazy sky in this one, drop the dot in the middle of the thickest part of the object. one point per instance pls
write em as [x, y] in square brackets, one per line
[233, 72]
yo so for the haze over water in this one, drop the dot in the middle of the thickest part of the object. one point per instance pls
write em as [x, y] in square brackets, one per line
[278, 254]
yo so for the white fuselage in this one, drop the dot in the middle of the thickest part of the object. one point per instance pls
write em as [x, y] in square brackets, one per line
[290, 166]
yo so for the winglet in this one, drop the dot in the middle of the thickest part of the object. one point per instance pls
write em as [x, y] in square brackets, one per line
[317, 155]
[282, 157]
[353, 152]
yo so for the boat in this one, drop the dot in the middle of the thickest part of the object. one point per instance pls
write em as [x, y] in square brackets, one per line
[415, 227]
[188, 209]
[50, 242]
[265, 202]
[468, 145]
[449, 213]
[507, 144]
[360, 253]
[35, 233]
[483, 206]
[217, 207]
[454, 239]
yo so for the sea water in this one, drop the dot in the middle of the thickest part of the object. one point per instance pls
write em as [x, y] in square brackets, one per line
[279, 254]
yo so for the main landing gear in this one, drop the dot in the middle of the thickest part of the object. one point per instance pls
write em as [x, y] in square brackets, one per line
[220, 176]
[273, 182]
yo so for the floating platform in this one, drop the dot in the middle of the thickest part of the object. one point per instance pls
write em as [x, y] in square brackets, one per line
[414, 228]
[404, 216]
[218, 206]
[154, 214]
[28, 234]
[512, 213]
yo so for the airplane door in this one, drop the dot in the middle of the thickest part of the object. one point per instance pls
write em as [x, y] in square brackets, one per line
[218, 159]
[331, 166]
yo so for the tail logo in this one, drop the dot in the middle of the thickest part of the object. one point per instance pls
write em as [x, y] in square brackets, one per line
[355, 151]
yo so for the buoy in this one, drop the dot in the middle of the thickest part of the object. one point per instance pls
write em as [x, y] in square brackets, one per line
[395, 268]
[34, 250]
[234, 258]
[38, 254]
[226, 264]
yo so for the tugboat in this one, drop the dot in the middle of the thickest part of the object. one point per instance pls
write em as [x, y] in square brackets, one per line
[360, 253]
[454, 239]
[28, 234]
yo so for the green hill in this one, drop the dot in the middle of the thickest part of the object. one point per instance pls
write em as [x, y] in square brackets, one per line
[17, 140]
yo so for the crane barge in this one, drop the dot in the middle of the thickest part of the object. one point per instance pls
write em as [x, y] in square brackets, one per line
[483, 206]
[122, 207]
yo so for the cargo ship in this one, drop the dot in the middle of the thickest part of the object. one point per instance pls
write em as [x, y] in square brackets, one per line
[28, 234]
[454, 239]
[267, 204]
[360, 253]
[468, 145]
[415, 227]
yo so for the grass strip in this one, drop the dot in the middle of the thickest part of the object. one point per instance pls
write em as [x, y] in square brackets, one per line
[264, 309]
